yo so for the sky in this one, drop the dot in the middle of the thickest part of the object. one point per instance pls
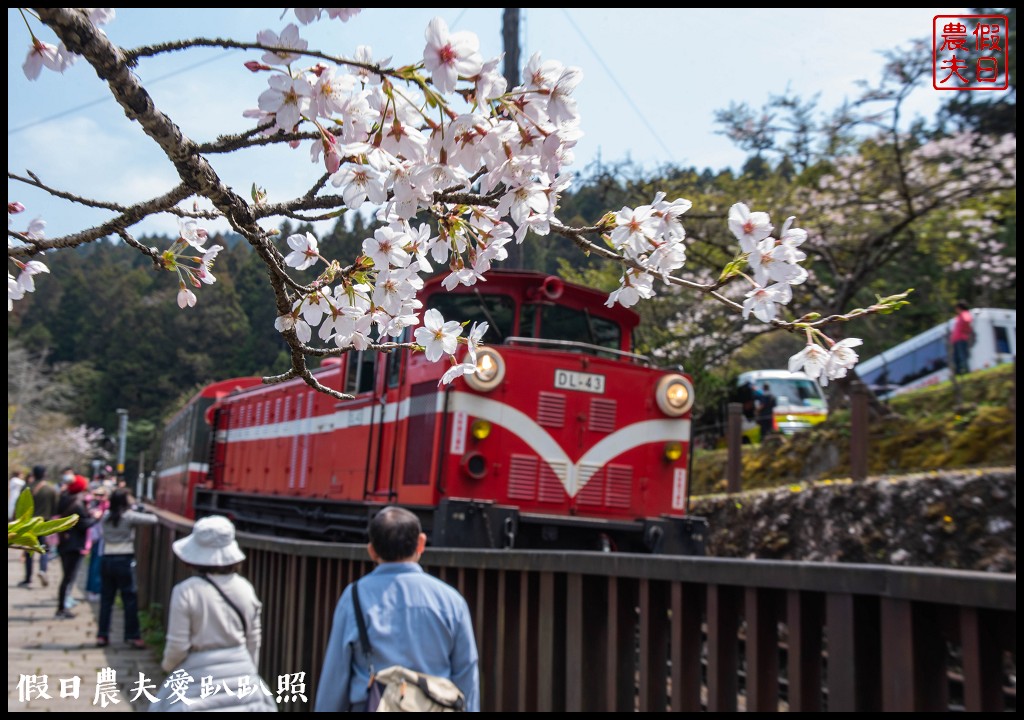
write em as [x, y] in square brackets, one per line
[652, 81]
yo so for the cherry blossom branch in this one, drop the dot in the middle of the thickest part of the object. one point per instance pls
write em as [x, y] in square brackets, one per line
[34, 181]
[130, 216]
[251, 139]
[150, 252]
[132, 56]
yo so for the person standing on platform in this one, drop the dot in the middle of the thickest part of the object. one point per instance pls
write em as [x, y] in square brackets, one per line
[117, 566]
[412, 619]
[44, 497]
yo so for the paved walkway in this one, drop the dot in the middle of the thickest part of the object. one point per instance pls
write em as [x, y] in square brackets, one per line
[56, 651]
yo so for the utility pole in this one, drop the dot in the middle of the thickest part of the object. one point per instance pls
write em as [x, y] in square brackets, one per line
[510, 40]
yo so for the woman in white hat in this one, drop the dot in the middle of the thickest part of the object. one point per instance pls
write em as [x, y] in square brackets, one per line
[214, 629]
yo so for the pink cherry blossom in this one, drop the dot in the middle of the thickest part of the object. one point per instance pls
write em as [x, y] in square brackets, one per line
[186, 298]
[343, 14]
[289, 38]
[41, 54]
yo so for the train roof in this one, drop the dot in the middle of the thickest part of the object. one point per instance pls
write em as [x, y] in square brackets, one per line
[531, 286]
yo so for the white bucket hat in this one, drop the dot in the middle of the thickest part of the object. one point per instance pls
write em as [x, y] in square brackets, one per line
[211, 544]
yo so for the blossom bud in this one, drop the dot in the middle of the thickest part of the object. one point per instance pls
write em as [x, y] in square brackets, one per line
[14, 207]
[318, 69]
[256, 66]
[332, 158]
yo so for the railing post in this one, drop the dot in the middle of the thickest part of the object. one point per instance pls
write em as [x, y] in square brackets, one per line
[858, 431]
[734, 442]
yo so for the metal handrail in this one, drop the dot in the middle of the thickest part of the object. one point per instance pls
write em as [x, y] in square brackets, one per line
[576, 345]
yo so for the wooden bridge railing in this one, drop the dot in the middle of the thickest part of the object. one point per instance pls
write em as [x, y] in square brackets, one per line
[561, 631]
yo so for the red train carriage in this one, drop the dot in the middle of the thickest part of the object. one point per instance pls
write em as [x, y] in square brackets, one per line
[185, 449]
[563, 438]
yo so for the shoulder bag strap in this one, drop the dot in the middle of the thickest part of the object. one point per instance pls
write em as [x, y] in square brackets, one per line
[245, 625]
[364, 637]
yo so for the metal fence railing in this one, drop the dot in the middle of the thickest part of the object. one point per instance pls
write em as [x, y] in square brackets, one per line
[562, 631]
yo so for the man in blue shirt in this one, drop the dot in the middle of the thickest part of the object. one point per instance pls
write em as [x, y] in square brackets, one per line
[412, 618]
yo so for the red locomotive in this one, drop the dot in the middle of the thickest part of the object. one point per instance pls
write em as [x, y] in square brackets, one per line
[563, 438]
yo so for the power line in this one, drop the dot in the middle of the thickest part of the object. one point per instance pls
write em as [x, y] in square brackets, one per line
[78, 108]
[617, 84]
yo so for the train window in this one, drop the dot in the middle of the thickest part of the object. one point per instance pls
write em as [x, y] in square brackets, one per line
[1002, 339]
[558, 322]
[498, 311]
[394, 361]
[359, 378]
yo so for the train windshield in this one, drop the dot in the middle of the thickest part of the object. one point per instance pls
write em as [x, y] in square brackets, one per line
[498, 311]
[799, 392]
[558, 322]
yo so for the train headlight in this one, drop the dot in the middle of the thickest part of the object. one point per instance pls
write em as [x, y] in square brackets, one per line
[480, 429]
[674, 395]
[490, 370]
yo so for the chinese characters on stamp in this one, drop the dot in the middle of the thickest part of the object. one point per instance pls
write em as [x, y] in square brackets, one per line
[969, 52]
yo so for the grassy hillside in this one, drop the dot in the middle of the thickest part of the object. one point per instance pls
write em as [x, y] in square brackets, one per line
[929, 431]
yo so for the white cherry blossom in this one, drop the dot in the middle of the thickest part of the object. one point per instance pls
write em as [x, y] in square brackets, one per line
[437, 336]
[304, 252]
[449, 55]
[633, 287]
[811, 360]
[30, 269]
[761, 301]
[841, 357]
[288, 99]
[749, 228]
[14, 292]
[387, 248]
[203, 272]
[359, 183]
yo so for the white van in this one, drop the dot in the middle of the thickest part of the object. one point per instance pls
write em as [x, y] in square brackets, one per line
[799, 401]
